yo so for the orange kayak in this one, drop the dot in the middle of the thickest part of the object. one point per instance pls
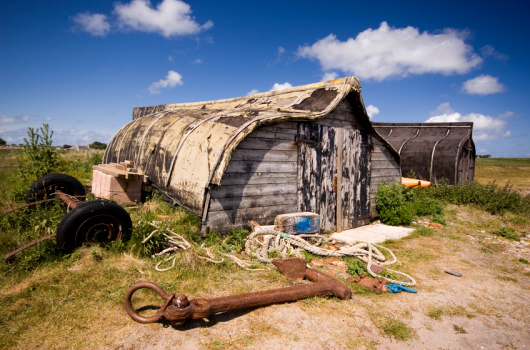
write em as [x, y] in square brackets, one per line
[414, 182]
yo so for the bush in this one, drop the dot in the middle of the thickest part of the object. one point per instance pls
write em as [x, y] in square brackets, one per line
[489, 197]
[38, 157]
[394, 204]
[2, 142]
[98, 145]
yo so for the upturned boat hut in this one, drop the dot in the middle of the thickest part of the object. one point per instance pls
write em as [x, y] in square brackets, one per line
[309, 148]
[433, 151]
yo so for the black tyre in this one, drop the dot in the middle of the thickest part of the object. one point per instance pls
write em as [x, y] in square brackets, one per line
[93, 221]
[46, 186]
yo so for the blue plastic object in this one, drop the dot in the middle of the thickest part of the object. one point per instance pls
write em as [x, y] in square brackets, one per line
[305, 224]
[396, 288]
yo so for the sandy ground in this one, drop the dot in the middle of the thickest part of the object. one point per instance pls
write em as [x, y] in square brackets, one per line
[486, 308]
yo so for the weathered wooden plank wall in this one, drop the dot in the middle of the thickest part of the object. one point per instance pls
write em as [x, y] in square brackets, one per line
[385, 167]
[260, 181]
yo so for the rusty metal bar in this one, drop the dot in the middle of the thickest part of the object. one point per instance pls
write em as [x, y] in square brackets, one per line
[70, 201]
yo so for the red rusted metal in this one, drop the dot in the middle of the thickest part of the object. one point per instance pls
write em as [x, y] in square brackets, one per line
[376, 285]
[178, 309]
[70, 201]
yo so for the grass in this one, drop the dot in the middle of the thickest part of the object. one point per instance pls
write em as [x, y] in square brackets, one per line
[506, 232]
[396, 328]
[503, 170]
[75, 301]
[459, 329]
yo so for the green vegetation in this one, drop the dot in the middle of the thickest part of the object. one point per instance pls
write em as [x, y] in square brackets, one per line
[51, 300]
[2, 142]
[506, 232]
[490, 197]
[459, 329]
[98, 145]
[397, 329]
[436, 313]
[39, 157]
[502, 171]
[399, 205]
[355, 266]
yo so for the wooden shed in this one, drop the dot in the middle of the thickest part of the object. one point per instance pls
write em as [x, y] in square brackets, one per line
[307, 148]
[434, 151]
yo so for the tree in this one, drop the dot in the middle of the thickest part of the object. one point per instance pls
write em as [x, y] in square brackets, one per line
[98, 145]
[2, 142]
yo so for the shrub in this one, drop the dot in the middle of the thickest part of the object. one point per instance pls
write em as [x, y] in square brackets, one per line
[394, 204]
[38, 157]
[98, 145]
[2, 142]
[489, 197]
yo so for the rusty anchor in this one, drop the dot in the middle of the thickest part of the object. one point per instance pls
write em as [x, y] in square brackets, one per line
[177, 309]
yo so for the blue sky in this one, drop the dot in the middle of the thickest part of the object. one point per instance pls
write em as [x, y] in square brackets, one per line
[81, 66]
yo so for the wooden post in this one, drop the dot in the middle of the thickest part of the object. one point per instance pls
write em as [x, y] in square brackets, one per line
[340, 143]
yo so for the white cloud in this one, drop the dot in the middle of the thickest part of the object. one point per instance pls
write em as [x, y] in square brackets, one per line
[172, 79]
[277, 86]
[48, 119]
[444, 108]
[389, 52]
[197, 61]
[4, 119]
[253, 91]
[484, 127]
[483, 85]
[170, 18]
[507, 114]
[329, 76]
[372, 110]
[489, 51]
[11, 123]
[95, 24]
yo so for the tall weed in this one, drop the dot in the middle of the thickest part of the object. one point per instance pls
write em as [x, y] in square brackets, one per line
[39, 157]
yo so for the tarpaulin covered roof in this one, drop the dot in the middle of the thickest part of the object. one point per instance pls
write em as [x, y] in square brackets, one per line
[186, 147]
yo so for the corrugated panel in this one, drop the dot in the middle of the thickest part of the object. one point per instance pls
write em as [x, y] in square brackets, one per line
[186, 147]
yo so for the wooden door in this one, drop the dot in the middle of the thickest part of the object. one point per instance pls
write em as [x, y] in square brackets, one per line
[333, 174]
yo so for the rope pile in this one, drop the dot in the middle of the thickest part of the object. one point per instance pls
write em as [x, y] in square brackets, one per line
[173, 240]
[264, 240]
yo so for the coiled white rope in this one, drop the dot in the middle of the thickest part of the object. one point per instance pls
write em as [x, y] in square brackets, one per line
[173, 240]
[264, 240]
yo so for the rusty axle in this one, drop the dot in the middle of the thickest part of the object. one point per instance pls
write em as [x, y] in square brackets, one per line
[178, 309]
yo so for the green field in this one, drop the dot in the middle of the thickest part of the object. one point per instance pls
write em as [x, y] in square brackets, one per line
[516, 171]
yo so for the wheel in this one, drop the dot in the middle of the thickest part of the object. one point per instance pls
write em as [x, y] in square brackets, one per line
[46, 186]
[93, 221]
